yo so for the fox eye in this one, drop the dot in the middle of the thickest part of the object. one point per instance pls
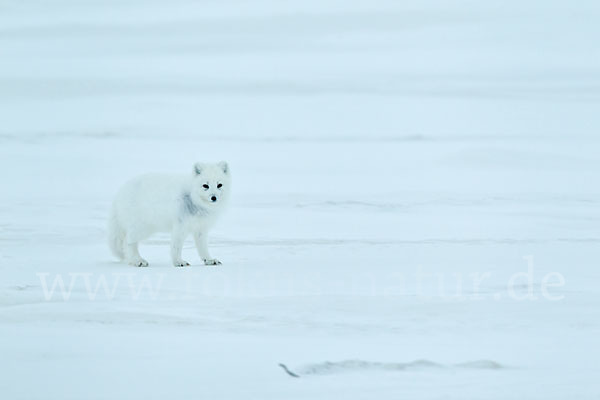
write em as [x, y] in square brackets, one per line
[205, 186]
[219, 185]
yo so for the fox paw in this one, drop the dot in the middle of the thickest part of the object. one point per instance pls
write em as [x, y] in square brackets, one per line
[212, 261]
[139, 263]
[181, 263]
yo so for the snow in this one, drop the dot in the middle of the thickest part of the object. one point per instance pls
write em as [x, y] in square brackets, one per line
[414, 211]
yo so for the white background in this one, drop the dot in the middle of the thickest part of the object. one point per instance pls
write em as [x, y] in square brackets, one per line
[386, 156]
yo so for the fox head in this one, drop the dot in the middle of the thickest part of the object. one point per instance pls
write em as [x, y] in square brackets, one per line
[211, 183]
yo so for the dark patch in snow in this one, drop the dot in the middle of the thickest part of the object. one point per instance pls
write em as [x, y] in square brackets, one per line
[328, 367]
[23, 287]
[290, 373]
[480, 364]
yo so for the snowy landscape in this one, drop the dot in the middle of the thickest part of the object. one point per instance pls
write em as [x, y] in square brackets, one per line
[415, 211]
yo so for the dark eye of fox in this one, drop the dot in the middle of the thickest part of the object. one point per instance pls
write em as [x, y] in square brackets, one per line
[219, 186]
[205, 186]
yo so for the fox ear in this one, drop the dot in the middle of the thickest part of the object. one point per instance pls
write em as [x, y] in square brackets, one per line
[198, 167]
[224, 166]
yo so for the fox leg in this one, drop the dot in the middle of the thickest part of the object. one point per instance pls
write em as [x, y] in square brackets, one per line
[201, 240]
[132, 255]
[177, 237]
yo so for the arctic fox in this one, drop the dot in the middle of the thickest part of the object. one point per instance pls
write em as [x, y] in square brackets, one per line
[180, 204]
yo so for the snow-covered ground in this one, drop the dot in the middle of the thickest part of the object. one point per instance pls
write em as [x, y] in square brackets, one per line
[415, 210]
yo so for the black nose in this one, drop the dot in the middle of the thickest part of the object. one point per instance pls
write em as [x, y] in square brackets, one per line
[213, 198]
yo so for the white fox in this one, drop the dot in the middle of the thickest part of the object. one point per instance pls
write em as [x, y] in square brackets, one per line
[180, 204]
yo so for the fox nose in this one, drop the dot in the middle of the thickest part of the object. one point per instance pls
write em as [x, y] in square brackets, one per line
[213, 198]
